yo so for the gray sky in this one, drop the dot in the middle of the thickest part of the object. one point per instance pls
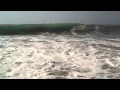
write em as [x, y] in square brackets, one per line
[37, 17]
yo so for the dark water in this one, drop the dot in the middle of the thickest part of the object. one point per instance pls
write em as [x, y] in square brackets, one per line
[66, 29]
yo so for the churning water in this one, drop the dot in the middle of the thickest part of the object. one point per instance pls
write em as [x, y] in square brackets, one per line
[60, 56]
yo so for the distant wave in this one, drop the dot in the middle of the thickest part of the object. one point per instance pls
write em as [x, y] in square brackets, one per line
[88, 29]
[64, 29]
[95, 29]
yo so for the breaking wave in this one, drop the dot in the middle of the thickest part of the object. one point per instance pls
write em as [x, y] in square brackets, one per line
[59, 29]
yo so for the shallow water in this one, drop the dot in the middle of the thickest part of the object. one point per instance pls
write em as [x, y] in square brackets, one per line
[60, 57]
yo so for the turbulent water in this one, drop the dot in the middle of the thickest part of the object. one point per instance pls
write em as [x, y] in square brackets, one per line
[60, 57]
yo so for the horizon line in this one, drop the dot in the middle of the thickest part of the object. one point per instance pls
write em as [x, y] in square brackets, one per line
[60, 23]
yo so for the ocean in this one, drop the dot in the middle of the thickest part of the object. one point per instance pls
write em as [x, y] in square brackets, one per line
[86, 55]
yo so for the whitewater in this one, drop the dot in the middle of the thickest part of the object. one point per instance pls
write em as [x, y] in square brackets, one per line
[60, 57]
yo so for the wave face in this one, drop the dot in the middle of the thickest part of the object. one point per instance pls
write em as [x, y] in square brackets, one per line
[59, 29]
[59, 57]
[96, 29]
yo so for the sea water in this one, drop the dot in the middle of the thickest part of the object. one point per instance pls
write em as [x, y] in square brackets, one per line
[60, 56]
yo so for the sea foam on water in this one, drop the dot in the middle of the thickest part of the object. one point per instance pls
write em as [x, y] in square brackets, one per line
[59, 57]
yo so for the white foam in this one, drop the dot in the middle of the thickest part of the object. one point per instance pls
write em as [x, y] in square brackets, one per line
[68, 56]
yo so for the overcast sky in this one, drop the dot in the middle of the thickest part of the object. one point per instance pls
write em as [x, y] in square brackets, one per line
[37, 17]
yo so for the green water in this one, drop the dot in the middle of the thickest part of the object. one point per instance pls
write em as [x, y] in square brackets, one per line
[34, 28]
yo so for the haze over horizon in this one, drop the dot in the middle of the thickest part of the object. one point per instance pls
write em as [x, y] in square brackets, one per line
[39, 17]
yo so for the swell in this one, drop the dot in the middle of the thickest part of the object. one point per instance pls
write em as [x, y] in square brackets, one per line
[64, 29]
[96, 29]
